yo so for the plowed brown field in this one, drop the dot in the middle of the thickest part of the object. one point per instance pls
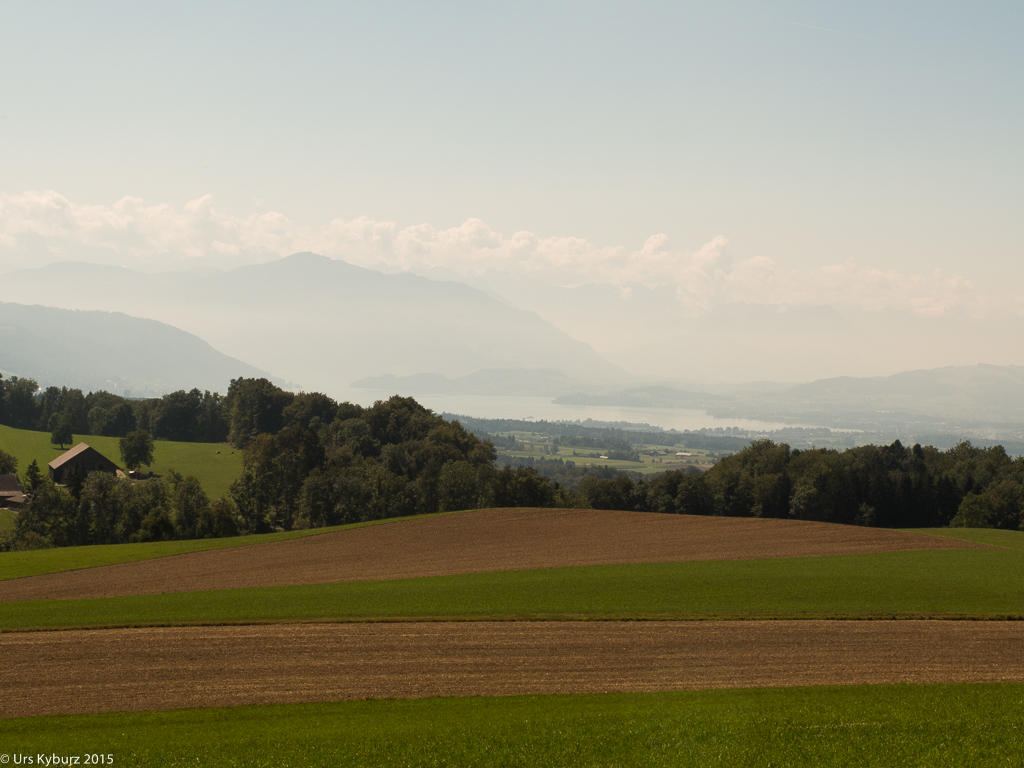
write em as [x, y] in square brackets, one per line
[140, 669]
[474, 542]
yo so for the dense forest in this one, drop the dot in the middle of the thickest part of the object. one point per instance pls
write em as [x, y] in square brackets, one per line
[311, 462]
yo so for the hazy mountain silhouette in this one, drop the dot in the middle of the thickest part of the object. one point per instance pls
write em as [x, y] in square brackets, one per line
[492, 381]
[976, 401]
[324, 323]
[108, 350]
[648, 331]
[977, 392]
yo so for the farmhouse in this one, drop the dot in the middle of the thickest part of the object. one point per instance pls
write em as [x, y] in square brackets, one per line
[10, 492]
[82, 456]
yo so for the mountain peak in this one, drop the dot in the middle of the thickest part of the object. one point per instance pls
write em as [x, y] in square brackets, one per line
[307, 257]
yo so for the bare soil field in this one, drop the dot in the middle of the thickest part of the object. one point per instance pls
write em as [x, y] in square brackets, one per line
[474, 542]
[145, 669]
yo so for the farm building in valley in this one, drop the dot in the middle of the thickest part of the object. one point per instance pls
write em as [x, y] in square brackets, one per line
[82, 456]
[11, 495]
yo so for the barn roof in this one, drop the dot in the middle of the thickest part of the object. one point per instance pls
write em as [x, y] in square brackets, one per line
[7, 498]
[64, 458]
[9, 484]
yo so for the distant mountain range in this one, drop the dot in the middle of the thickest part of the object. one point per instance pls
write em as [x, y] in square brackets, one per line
[971, 400]
[111, 351]
[648, 331]
[324, 323]
[976, 393]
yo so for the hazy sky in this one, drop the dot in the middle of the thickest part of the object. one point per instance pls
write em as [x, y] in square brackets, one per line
[621, 140]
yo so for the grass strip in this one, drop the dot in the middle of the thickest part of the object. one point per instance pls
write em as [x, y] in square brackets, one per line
[16, 565]
[886, 725]
[965, 583]
[997, 538]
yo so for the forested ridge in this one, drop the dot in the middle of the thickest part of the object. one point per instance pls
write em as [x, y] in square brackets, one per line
[312, 462]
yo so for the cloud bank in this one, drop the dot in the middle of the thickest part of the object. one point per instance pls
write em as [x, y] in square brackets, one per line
[37, 228]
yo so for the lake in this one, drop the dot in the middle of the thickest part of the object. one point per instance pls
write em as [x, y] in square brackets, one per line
[542, 408]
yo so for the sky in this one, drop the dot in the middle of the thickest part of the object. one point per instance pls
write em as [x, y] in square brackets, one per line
[866, 153]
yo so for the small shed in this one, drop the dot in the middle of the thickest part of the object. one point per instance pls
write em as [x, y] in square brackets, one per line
[84, 456]
[11, 495]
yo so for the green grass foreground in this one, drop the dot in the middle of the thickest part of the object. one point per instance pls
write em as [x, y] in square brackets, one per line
[215, 471]
[883, 725]
[954, 583]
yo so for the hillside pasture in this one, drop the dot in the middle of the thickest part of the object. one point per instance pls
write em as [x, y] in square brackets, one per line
[474, 542]
[215, 465]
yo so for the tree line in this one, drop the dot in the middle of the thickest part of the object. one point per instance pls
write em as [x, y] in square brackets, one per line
[891, 486]
[184, 416]
[311, 462]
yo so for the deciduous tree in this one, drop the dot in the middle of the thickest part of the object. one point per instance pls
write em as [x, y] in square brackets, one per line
[60, 430]
[137, 449]
[8, 463]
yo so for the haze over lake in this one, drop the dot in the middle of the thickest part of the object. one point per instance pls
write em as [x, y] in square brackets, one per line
[538, 408]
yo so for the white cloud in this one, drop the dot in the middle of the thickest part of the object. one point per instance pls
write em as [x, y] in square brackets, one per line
[40, 227]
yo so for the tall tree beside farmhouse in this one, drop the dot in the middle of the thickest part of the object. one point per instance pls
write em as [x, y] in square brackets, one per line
[8, 463]
[60, 430]
[137, 449]
[33, 477]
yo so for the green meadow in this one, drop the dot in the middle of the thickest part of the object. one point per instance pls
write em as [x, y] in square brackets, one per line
[953, 583]
[884, 725]
[215, 471]
[7, 518]
[991, 536]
